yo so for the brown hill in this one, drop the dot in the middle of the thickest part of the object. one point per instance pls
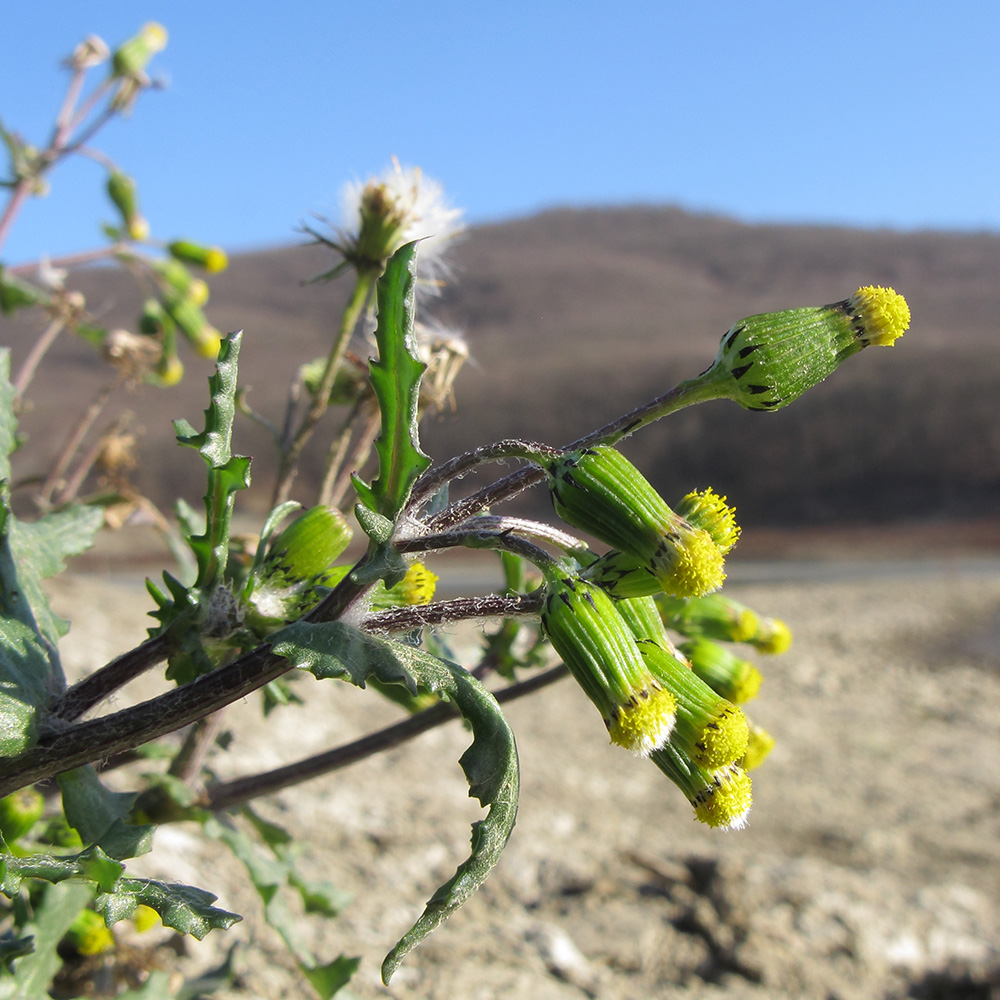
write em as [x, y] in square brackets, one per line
[575, 316]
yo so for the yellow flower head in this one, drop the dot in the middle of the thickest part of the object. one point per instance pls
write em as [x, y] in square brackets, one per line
[725, 802]
[760, 745]
[706, 509]
[883, 313]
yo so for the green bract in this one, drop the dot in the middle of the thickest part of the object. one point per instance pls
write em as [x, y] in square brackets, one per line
[601, 492]
[767, 361]
[596, 644]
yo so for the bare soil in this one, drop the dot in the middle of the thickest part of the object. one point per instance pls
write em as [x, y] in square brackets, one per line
[870, 868]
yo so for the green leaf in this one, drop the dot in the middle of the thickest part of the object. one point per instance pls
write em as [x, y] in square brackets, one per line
[58, 908]
[491, 768]
[182, 907]
[41, 547]
[395, 378]
[334, 649]
[328, 980]
[227, 473]
[270, 873]
[29, 632]
[101, 816]
[91, 865]
[25, 668]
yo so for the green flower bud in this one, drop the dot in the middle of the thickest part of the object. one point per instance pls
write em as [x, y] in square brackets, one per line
[713, 616]
[724, 672]
[643, 619]
[307, 546]
[122, 192]
[766, 361]
[601, 492]
[177, 279]
[153, 319]
[212, 259]
[169, 369]
[595, 643]
[192, 322]
[760, 745]
[721, 799]
[772, 636]
[709, 729]
[19, 812]
[132, 56]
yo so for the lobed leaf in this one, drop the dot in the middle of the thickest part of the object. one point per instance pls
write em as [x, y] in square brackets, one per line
[395, 378]
[270, 873]
[227, 473]
[101, 816]
[182, 907]
[56, 910]
[334, 649]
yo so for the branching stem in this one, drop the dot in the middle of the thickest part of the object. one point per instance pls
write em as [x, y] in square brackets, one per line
[229, 794]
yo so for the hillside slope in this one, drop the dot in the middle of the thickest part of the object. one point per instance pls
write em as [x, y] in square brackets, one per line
[574, 316]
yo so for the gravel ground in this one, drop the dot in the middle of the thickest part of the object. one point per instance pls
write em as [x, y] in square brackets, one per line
[870, 868]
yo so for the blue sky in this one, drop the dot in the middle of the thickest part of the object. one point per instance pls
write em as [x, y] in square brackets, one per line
[873, 114]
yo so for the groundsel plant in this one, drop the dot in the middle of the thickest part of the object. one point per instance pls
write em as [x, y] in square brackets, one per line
[620, 592]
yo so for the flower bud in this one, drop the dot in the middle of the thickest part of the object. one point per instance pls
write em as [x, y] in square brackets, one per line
[122, 192]
[153, 319]
[145, 918]
[169, 369]
[709, 729]
[177, 280]
[725, 673]
[721, 799]
[772, 636]
[766, 361]
[643, 619]
[192, 322]
[307, 546]
[19, 812]
[760, 745]
[713, 616]
[601, 492]
[212, 259]
[595, 643]
[132, 56]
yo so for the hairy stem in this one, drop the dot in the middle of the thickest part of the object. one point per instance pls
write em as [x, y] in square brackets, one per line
[433, 479]
[691, 391]
[92, 690]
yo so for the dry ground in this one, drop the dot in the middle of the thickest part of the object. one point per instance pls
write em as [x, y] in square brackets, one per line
[870, 869]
